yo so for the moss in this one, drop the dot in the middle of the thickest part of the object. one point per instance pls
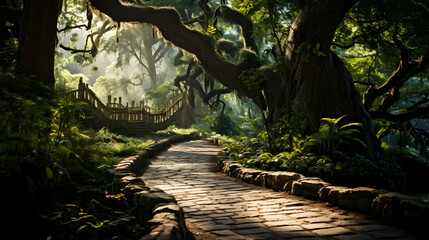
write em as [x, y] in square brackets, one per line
[248, 59]
[227, 46]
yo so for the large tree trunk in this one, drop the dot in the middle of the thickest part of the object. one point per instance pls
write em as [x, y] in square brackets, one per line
[315, 76]
[38, 39]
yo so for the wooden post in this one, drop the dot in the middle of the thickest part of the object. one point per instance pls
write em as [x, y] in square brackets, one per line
[127, 113]
[86, 91]
[81, 89]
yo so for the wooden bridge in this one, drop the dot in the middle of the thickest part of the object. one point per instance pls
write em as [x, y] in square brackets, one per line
[134, 120]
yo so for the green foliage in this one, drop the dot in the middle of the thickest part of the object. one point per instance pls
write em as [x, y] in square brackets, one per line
[339, 168]
[306, 48]
[331, 137]
[173, 130]
[221, 140]
[110, 148]
[211, 30]
[98, 217]
[159, 96]
[369, 49]
[245, 148]
[250, 127]
[220, 123]
[9, 53]
[288, 133]
[327, 154]
[64, 79]
[248, 59]
[46, 154]
[254, 79]
[41, 136]
[240, 118]
[245, 6]
[24, 126]
[227, 48]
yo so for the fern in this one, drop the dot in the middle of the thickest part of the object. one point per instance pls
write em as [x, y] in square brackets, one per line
[331, 136]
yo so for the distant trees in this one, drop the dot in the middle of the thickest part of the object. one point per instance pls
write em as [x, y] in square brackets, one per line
[141, 42]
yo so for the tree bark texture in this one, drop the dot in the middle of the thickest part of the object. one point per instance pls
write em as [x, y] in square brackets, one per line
[37, 39]
[321, 81]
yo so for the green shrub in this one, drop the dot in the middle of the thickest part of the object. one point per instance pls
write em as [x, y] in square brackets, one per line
[331, 137]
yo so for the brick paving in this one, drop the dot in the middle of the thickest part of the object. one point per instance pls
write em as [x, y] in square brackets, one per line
[224, 208]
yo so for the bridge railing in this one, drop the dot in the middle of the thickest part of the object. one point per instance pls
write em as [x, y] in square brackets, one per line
[117, 112]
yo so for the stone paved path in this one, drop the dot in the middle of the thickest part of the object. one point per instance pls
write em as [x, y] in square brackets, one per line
[218, 207]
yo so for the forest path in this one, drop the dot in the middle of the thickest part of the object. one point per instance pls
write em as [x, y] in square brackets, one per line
[220, 207]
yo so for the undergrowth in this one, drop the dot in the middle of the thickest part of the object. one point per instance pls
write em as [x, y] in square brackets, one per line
[331, 154]
[53, 169]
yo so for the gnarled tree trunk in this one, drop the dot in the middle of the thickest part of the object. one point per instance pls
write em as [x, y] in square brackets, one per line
[37, 39]
[316, 77]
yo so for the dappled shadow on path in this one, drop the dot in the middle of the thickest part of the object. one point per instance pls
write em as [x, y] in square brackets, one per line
[228, 209]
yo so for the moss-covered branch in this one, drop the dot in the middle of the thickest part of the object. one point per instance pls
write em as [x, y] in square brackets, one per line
[168, 22]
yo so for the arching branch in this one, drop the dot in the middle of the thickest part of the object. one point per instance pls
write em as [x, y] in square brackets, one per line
[74, 50]
[364, 83]
[241, 20]
[405, 71]
[86, 26]
[160, 52]
[419, 113]
[419, 103]
[95, 43]
[168, 22]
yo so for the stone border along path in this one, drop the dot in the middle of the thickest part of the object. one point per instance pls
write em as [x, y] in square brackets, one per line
[220, 207]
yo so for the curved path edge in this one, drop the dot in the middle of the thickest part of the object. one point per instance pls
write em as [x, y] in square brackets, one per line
[151, 206]
[394, 208]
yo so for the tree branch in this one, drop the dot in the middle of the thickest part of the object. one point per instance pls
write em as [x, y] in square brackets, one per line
[74, 50]
[405, 71]
[215, 92]
[162, 47]
[364, 83]
[86, 26]
[419, 113]
[419, 103]
[167, 20]
[199, 19]
[162, 54]
[132, 51]
[95, 42]
[72, 27]
[403, 49]
[241, 20]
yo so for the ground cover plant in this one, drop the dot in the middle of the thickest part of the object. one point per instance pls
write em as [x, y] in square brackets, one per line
[54, 169]
[331, 154]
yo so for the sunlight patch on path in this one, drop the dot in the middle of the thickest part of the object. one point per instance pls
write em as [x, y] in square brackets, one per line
[228, 209]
